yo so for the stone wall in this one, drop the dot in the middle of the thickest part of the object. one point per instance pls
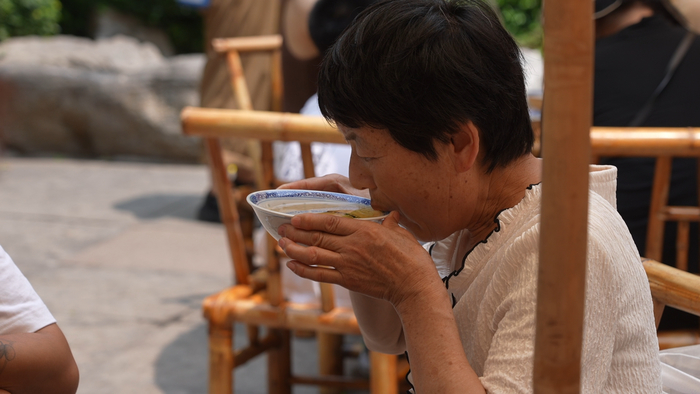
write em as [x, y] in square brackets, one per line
[107, 98]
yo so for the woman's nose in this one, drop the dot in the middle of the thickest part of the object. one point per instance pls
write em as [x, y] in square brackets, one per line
[360, 175]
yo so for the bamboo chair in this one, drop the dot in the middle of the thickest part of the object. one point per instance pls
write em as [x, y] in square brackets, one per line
[663, 144]
[672, 287]
[330, 345]
[257, 302]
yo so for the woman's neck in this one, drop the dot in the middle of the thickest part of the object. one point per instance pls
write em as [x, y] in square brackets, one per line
[506, 188]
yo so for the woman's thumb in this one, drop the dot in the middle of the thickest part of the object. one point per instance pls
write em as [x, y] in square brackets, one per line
[392, 220]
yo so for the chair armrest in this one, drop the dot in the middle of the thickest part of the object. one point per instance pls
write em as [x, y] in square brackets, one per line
[673, 287]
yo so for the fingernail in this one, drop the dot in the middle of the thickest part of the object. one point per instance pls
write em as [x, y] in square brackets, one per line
[280, 231]
[291, 265]
[282, 242]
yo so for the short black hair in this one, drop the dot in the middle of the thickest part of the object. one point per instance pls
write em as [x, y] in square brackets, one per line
[329, 18]
[422, 68]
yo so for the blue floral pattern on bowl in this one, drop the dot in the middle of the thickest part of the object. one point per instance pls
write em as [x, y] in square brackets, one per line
[277, 207]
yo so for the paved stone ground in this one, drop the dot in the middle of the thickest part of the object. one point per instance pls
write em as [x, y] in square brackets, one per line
[115, 252]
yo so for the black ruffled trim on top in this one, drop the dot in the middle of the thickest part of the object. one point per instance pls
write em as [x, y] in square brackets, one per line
[456, 272]
[446, 280]
[408, 373]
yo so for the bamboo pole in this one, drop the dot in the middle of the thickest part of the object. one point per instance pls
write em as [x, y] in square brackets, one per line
[647, 141]
[568, 50]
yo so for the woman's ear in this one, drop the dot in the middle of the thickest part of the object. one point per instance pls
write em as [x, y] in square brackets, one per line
[465, 146]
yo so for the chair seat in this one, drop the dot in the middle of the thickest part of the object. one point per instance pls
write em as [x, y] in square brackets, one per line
[240, 304]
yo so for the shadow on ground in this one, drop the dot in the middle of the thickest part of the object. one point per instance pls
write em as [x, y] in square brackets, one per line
[154, 206]
[181, 368]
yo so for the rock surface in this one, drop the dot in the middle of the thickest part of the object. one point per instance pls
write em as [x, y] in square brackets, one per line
[113, 97]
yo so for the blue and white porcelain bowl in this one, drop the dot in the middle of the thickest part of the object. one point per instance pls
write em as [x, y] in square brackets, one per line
[277, 207]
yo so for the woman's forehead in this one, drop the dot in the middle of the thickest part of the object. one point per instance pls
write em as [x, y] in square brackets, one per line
[365, 134]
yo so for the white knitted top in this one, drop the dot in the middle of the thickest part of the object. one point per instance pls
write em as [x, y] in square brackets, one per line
[493, 288]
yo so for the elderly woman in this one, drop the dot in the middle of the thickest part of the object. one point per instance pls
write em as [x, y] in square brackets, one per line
[430, 96]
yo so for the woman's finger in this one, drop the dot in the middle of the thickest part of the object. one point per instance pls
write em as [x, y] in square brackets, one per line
[327, 223]
[309, 255]
[318, 274]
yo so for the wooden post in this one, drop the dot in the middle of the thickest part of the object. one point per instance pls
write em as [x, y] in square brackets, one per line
[568, 54]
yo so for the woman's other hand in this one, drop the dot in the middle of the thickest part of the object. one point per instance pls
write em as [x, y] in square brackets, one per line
[379, 260]
[330, 183]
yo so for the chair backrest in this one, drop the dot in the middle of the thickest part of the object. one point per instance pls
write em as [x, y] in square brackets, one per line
[232, 49]
[262, 157]
[663, 144]
[266, 127]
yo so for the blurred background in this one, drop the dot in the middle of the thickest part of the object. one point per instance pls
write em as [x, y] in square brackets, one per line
[101, 194]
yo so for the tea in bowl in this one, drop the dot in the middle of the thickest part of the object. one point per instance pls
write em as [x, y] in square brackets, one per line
[277, 207]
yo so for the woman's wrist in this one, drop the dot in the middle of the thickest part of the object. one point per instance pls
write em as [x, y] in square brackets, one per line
[424, 295]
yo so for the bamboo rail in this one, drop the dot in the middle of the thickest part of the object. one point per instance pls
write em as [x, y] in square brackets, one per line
[262, 125]
[247, 44]
[673, 287]
[278, 126]
[626, 141]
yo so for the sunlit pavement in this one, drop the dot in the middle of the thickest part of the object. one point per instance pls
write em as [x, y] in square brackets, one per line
[115, 252]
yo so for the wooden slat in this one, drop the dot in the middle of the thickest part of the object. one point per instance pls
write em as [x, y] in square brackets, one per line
[238, 83]
[568, 49]
[247, 44]
[266, 126]
[229, 212]
[307, 159]
[682, 237]
[244, 355]
[276, 81]
[678, 213]
[659, 197]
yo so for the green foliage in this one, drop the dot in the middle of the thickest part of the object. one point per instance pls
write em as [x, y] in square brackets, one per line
[183, 25]
[523, 18]
[29, 17]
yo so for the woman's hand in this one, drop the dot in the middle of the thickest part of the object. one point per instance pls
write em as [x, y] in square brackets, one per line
[330, 183]
[380, 260]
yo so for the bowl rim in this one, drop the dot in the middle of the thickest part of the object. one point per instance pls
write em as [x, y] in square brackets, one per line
[340, 196]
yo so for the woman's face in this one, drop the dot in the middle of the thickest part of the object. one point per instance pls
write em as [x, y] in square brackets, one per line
[405, 181]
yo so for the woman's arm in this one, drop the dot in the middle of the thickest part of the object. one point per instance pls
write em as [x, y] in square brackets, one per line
[438, 362]
[38, 362]
[379, 323]
[387, 263]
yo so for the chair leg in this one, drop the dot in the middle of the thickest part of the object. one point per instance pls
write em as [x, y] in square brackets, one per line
[330, 358]
[383, 373]
[220, 359]
[279, 365]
